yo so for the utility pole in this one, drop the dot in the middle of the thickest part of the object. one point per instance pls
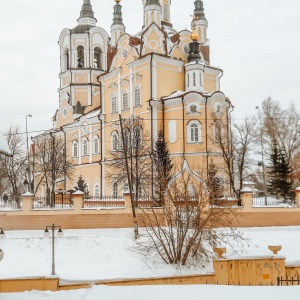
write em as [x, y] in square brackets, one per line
[129, 179]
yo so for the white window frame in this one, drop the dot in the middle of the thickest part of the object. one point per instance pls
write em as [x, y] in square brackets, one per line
[194, 132]
[85, 147]
[96, 145]
[97, 190]
[114, 141]
[114, 107]
[115, 189]
[125, 100]
[75, 143]
[137, 96]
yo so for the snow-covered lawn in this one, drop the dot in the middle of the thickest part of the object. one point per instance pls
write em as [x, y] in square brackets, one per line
[191, 292]
[107, 253]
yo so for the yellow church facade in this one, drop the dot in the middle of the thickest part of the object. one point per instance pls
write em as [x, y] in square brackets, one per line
[160, 75]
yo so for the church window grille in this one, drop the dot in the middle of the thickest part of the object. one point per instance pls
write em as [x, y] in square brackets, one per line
[80, 57]
[137, 96]
[97, 58]
[193, 108]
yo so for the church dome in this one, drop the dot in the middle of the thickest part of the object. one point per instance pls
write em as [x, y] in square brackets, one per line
[82, 28]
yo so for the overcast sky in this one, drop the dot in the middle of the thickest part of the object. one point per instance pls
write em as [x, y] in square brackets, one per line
[256, 43]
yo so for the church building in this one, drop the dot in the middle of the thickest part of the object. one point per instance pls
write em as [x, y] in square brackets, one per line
[159, 75]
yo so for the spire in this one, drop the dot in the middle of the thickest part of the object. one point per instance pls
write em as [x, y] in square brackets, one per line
[117, 27]
[199, 10]
[117, 18]
[87, 14]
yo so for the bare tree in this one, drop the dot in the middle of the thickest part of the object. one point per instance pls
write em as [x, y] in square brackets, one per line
[238, 153]
[281, 125]
[50, 163]
[13, 169]
[185, 230]
[138, 149]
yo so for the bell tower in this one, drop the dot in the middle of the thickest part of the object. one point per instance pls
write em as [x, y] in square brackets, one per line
[83, 57]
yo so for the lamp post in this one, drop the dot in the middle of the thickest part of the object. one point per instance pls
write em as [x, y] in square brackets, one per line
[28, 168]
[2, 236]
[262, 163]
[47, 234]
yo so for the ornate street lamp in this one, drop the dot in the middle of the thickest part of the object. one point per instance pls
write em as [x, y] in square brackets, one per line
[47, 234]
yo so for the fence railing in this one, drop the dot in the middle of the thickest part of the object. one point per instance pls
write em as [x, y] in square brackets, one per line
[271, 200]
[103, 202]
[61, 201]
[288, 281]
[10, 204]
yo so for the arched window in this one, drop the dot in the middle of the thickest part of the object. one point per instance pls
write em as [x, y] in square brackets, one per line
[188, 80]
[194, 79]
[125, 187]
[97, 190]
[127, 137]
[75, 149]
[67, 59]
[87, 189]
[137, 136]
[97, 58]
[115, 190]
[85, 147]
[137, 96]
[113, 104]
[194, 132]
[218, 131]
[114, 141]
[80, 57]
[125, 101]
[96, 145]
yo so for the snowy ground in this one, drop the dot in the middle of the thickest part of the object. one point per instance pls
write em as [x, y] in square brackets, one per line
[106, 254]
[191, 292]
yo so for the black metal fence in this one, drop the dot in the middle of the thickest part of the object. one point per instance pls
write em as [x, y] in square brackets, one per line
[10, 204]
[103, 202]
[288, 281]
[60, 201]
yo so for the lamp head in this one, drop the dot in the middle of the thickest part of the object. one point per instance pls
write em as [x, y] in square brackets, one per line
[46, 233]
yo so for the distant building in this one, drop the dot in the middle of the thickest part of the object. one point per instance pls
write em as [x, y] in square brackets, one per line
[160, 75]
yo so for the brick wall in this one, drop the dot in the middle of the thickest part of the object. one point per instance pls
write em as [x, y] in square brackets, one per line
[66, 221]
